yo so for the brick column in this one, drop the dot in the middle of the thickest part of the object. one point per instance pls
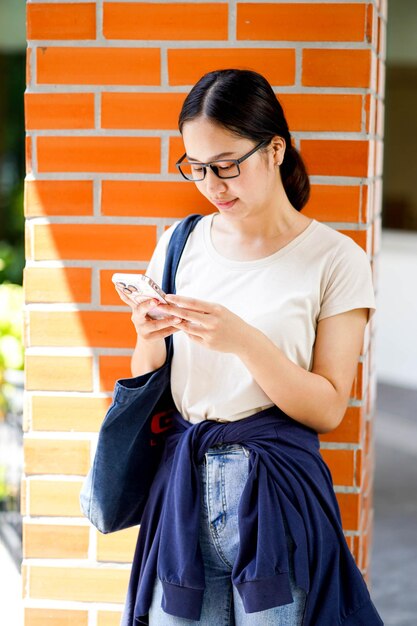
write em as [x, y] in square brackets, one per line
[105, 82]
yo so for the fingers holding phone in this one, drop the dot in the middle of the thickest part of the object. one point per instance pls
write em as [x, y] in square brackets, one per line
[150, 327]
[145, 298]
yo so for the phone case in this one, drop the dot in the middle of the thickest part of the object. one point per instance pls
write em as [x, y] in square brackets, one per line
[142, 286]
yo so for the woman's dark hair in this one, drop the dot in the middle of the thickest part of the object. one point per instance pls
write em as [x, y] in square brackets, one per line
[243, 102]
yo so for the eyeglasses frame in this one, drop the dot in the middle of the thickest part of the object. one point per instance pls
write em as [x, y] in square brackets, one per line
[237, 162]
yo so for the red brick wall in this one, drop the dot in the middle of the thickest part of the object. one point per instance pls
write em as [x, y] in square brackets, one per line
[105, 82]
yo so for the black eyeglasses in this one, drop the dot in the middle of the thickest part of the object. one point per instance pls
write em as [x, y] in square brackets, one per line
[224, 168]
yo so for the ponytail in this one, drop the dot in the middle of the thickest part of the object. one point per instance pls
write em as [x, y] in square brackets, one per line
[295, 178]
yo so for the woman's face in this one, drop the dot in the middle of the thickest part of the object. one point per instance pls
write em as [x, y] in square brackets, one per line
[255, 189]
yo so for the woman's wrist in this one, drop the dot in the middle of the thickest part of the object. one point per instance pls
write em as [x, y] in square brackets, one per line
[252, 342]
[147, 356]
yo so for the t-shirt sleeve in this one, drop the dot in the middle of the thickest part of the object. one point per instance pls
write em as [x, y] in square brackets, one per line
[155, 269]
[349, 284]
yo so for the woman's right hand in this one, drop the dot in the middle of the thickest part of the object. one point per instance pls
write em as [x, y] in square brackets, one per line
[147, 328]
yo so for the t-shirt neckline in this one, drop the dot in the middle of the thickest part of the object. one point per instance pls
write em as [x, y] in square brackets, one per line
[254, 263]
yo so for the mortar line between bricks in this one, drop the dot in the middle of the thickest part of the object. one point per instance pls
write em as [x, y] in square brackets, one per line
[34, 151]
[59, 521]
[349, 181]
[218, 2]
[182, 1]
[33, 69]
[155, 133]
[83, 220]
[334, 445]
[111, 220]
[164, 67]
[232, 22]
[80, 351]
[95, 371]
[95, 287]
[343, 489]
[72, 605]
[79, 562]
[68, 478]
[69, 394]
[97, 111]
[160, 230]
[65, 307]
[59, 435]
[31, 234]
[184, 89]
[185, 44]
[164, 155]
[363, 115]
[27, 426]
[96, 197]
[99, 22]
[315, 179]
[298, 67]
[102, 265]
[27, 509]
[355, 481]
[92, 543]
[107, 132]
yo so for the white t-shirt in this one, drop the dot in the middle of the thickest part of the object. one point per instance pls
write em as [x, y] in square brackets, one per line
[320, 273]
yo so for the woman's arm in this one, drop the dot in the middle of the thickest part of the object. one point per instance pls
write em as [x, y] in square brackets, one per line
[318, 398]
[147, 356]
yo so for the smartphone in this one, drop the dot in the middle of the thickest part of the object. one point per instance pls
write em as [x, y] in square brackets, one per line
[139, 287]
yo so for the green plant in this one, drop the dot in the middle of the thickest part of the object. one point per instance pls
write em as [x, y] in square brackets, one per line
[11, 333]
[11, 322]
[12, 164]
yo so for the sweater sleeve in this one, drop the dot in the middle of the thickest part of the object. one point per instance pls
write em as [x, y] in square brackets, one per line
[349, 284]
[155, 269]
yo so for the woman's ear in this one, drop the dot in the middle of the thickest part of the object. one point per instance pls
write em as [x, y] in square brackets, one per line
[278, 149]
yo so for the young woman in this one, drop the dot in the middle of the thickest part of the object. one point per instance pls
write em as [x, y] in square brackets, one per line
[243, 527]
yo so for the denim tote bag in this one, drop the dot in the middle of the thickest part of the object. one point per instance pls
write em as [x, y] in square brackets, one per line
[131, 437]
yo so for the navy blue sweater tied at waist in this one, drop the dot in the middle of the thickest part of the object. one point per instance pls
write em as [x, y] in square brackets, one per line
[287, 478]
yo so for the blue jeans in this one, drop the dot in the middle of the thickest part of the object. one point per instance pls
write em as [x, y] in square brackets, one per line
[223, 475]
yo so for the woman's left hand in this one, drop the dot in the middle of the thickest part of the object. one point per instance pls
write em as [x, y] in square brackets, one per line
[209, 324]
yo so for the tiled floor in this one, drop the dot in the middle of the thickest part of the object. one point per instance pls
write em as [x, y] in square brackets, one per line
[10, 590]
[394, 554]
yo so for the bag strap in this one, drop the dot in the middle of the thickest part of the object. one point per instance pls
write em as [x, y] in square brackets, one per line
[175, 249]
